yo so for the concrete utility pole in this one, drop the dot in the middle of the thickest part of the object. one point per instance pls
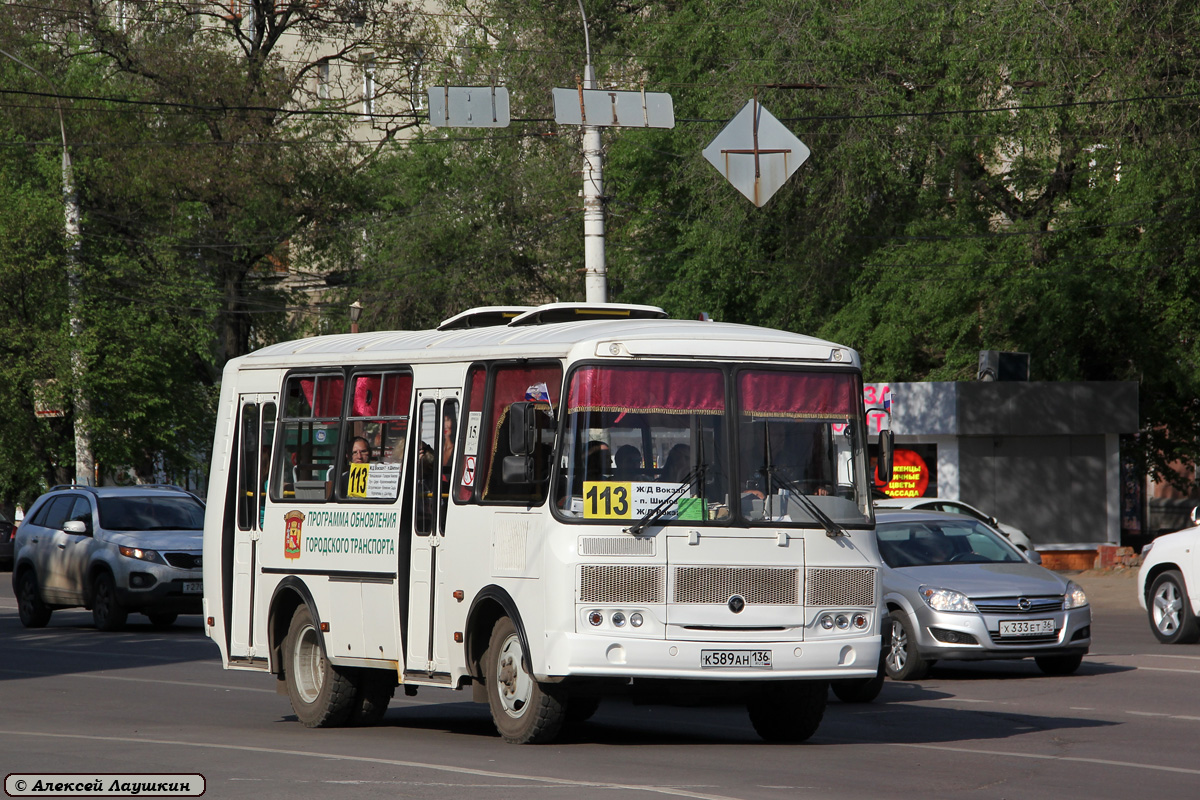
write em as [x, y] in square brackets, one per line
[85, 464]
[596, 279]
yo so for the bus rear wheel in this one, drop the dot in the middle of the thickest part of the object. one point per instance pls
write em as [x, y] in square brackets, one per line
[788, 712]
[321, 695]
[524, 710]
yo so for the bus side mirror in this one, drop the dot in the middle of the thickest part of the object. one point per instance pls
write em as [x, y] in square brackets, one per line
[883, 465]
[517, 470]
[522, 427]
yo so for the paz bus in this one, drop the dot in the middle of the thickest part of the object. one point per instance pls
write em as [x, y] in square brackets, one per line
[547, 506]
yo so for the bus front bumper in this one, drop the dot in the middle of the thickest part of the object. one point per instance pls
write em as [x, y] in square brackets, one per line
[573, 654]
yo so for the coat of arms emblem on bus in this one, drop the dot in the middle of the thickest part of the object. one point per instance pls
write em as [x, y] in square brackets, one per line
[291, 534]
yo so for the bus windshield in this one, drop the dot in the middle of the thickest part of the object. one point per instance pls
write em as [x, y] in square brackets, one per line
[787, 448]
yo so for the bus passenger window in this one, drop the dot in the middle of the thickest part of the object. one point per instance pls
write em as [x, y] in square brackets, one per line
[376, 424]
[304, 466]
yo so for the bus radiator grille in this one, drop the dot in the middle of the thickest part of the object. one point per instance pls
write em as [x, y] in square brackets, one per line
[840, 587]
[603, 583]
[772, 586]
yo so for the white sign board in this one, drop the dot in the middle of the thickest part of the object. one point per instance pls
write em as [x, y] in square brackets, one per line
[468, 107]
[756, 153]
[383, 480]
[603, 108]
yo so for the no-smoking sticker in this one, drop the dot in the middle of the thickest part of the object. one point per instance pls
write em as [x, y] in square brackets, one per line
[468, 478]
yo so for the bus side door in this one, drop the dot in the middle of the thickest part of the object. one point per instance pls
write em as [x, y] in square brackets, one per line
[257, 414]
[437, 419]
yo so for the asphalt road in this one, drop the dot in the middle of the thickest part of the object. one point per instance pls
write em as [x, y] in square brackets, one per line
[76, 700]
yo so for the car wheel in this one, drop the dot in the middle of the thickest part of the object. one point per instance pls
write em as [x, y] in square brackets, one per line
[1171, 616]
[162, 619]
[321, 694]
[788, 712]
[107, 613]
[524, 711]
[33, 612]
[1059, 665]
[902, 662]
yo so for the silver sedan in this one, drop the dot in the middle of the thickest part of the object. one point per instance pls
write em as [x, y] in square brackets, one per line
[954, 589]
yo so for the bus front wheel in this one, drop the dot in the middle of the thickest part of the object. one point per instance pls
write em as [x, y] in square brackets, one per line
[788, 712]
[321, 695]
[524, 710]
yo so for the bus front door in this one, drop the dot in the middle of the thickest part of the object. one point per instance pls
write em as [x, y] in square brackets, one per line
[437, 421]
[256, 436]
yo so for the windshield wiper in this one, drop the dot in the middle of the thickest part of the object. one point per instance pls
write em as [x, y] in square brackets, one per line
[832, 529]
[660, 508]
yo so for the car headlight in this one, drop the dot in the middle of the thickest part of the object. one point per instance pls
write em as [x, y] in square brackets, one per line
[946, 600]
[1146, 549]
[142, 555]
[1075, 597]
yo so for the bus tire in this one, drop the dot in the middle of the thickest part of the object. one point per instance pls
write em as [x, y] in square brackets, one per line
[373, 692]
[789, 712]
[321, 694]
[524, 711]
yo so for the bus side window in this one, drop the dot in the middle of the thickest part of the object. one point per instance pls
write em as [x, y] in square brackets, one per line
[540, 384]
[304, 468]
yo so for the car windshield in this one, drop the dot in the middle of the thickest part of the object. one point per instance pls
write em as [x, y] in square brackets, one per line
[179, 513]
[683, 443]
[922, 543]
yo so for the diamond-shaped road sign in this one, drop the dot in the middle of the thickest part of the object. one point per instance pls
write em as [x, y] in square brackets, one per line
[756, 153]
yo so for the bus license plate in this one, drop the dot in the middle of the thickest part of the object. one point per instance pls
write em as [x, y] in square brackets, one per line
[1026, 627]
[193, 587]
[735, 659]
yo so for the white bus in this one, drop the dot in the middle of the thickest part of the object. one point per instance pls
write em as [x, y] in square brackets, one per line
[550, 506]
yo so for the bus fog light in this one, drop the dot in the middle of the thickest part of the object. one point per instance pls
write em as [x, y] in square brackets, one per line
[860, 621]
[827, 622]
[842, 621]
[596, 618]
[635, 620]
[618, 620]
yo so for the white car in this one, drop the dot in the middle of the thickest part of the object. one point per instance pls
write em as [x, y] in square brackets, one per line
[1014, 535]
[1168, 585]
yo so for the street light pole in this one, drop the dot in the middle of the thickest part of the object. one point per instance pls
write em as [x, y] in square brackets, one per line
[596, 278]
[355, 313]
[85, 465]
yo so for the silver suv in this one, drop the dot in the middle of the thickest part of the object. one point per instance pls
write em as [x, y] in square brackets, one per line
[112, 549]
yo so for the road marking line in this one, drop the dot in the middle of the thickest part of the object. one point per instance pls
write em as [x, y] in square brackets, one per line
[1074, 759]
[98, 677]
[482, 773]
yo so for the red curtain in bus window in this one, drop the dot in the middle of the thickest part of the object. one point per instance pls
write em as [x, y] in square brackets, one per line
[663, 390]
[366, 396]
[397, 395]
[328, 400]
[799, 395]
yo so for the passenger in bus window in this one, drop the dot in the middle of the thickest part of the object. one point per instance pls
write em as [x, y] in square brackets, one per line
[677, 465]
[447, 449]
[598, 460]
[629, 462]
[360, 453]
